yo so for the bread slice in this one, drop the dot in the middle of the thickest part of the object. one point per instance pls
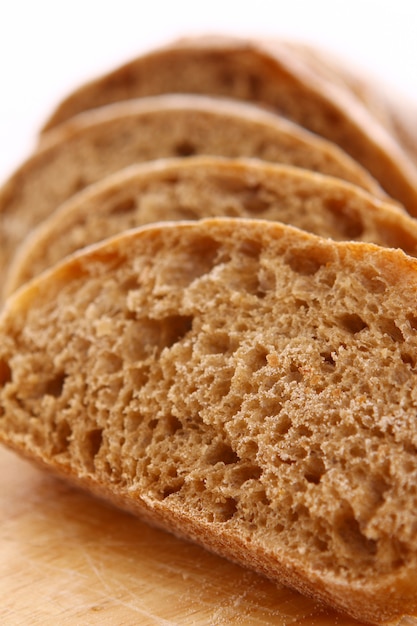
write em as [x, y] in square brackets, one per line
[199, 187]
[268, 73]
[97, 144]
[240, 383]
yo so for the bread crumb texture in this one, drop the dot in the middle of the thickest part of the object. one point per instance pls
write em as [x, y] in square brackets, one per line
[246, 384]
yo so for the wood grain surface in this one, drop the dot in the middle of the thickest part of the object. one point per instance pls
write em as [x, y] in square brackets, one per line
[69, 559]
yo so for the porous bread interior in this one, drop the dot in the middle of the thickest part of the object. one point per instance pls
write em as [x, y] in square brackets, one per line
[198, 187]
[89, 150]
[246, 374]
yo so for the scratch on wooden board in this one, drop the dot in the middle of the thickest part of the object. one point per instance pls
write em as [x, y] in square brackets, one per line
[107, 592]
[41, 567]
[95, 571]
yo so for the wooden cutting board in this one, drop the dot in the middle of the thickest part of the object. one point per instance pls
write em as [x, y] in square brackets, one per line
[67, 558]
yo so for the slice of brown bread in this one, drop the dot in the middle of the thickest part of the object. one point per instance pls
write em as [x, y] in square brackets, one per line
[199, 187]
[97, 144]
[238, 382]
[265, 72]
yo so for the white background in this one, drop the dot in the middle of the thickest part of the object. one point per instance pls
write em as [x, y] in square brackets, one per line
[49, 47]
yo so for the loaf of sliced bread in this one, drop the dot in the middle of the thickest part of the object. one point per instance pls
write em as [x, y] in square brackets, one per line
[97, 144]
[240, 383]
[198, 187]
[268, 73]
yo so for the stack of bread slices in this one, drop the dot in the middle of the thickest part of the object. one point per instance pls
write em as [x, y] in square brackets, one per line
[209, 311]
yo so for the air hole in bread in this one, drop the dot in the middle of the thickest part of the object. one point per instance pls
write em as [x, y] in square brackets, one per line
[407, 359]
[349, 533]
[249, 449]
[253, 203]
[282, 424]
[224, 511]
[372, 281]
[153, 424]
[221, 387]
[295, 373]
[5, 372]
[173, 424]
[346, 219]
[108, 363]
[55, 386]
[304, 431]
[328, 279]
[62, 437]
[218, 342]
[315, 469]
[258, 359]
[301, 304]
[352, 322]
[266, 281]
[169, 490]
[196, 260]
[93, 443]
[306, 261]
[148, 337]
[377, 488]
[299, 512]
[242, 474]
[388, 327]
[123, 206]
[358, 450]
[261, 496]
[329, 363]
[184, 149]
[133, 420]
[320, 544]
[250, 284]
[247, 279]
[139, 376]
[221, 453]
